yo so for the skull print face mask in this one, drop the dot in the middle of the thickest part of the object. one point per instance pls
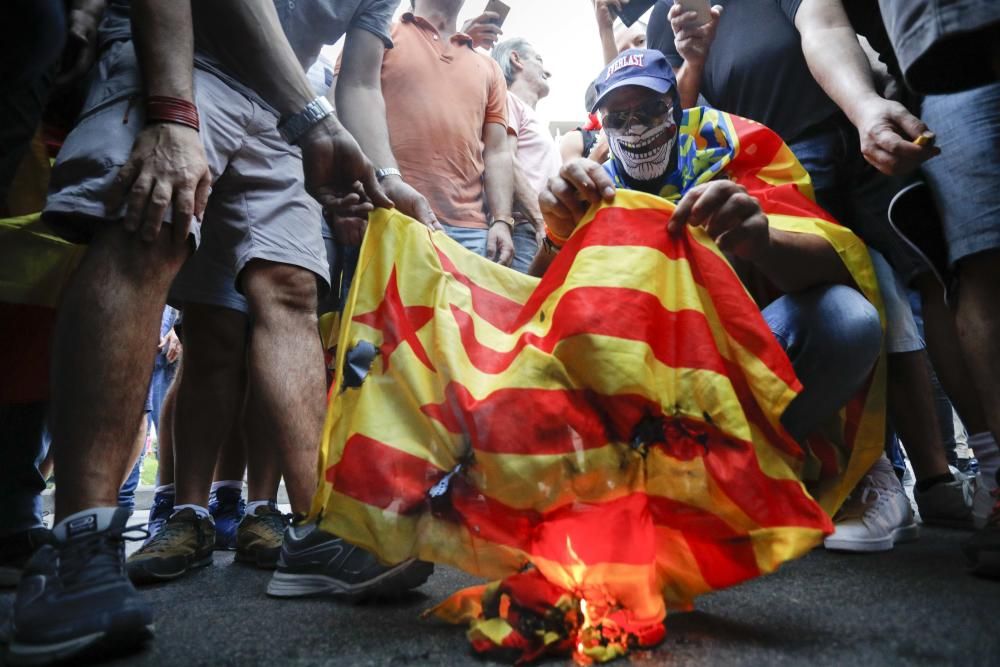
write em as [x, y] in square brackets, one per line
[644, 152]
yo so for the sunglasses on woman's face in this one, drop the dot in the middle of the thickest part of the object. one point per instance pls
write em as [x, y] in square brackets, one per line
[647, 114]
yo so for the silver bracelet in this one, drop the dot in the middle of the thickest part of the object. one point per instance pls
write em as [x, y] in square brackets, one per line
[293, 127]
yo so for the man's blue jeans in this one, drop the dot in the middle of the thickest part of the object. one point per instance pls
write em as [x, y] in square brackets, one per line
[22, 449]
[833, 337]
[525, 245]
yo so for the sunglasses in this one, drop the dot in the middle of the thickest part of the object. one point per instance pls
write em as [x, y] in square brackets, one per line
[647, 114]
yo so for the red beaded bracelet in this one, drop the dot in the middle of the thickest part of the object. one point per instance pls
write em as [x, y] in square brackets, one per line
[172, 110]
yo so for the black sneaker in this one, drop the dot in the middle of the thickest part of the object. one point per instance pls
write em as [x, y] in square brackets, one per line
[184, 544]
[317, 563]
[74, 600]
[16, 550]
[982, 550]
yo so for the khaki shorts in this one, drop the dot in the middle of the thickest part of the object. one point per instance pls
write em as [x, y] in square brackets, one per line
[258, 209]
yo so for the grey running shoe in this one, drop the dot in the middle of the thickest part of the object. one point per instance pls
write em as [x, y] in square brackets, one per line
[185, 543]
[74, 600]
[317, 563]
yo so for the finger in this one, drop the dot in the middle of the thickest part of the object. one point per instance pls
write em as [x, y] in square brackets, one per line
[426, 216]
[121, 185]
[715, 195]
[731, 214]
[138, 195]
[183, 212]
[491, 244]
[488, 16]
[740, 240]
[507, 251]
[569, 197]
[201, 195]
[682, 213]
[577, 176]
[374, 190]
[912, 126]
[159, 200]
[554, 212]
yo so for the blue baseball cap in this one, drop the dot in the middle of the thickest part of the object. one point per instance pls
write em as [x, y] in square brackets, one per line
[635, 67]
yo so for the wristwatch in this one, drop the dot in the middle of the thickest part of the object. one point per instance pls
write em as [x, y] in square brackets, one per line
[294, 126]
[386, 172]
[507, 221]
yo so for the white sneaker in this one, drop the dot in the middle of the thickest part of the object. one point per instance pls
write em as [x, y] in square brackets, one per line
[876, 516]
[947, 503]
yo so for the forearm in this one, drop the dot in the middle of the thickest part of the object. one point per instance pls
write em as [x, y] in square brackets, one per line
[499, 179]
[362, 112]
[540, 264]
[164, 44]
[840, 66]
[796, 261]
[525, 196]
[608, 47]
[246, 37]
[689, 84]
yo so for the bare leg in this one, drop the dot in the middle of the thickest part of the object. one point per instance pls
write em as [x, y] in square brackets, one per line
[263, 468]
[208, 398]
[165, 435]
[103, 352]
[978, 321]
[911, 406]
[232, 462]
[948, 356]
[287, 377]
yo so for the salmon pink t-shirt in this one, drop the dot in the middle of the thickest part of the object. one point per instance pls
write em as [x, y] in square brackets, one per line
[439, 97]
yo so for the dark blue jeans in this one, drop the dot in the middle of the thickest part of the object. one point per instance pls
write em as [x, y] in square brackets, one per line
[22, 449]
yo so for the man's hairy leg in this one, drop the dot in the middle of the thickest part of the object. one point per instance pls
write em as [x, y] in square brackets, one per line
[209, 397]
[978, 322]
[105, 343]
[287, 377]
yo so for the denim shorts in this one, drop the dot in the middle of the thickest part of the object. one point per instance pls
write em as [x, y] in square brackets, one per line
[965, 177]
[943, 45]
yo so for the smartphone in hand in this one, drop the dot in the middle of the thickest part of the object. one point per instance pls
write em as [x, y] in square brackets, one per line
[702, 7]
[499, 7]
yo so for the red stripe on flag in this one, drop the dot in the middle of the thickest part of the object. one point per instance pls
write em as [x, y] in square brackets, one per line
[380, 475]
[496, 309]
[725, 557]
[613, 312]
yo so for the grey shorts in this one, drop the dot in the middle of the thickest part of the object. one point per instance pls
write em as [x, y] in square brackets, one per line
[964, 177]
[258, 209]
[901, 332]
[943, 45]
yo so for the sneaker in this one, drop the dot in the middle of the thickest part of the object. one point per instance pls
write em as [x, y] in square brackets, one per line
[876, 516]
[983, 549]
[227, 507]
[982, 502]
[16, 550]
[74, 600]
[947, 504]
[316, 563]
[184, 544]
[258, 538]
[163, 507]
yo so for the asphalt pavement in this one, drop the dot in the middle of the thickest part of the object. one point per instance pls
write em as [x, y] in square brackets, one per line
[912, 606]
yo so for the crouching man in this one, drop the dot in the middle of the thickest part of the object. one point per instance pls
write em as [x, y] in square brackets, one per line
[830, 331]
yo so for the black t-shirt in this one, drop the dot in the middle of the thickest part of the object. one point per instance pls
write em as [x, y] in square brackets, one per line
[756, 68]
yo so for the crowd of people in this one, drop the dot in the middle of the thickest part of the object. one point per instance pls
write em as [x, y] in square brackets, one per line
[220, 176]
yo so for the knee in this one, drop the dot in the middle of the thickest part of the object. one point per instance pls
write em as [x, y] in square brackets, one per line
[853, 328]
[279, 290]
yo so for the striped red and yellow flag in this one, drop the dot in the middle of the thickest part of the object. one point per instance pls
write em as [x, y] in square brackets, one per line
[614, 425]
[35, 265]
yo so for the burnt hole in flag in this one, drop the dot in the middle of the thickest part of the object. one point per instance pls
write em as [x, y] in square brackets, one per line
[357, 364]
[647, 432]
[439, 495]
